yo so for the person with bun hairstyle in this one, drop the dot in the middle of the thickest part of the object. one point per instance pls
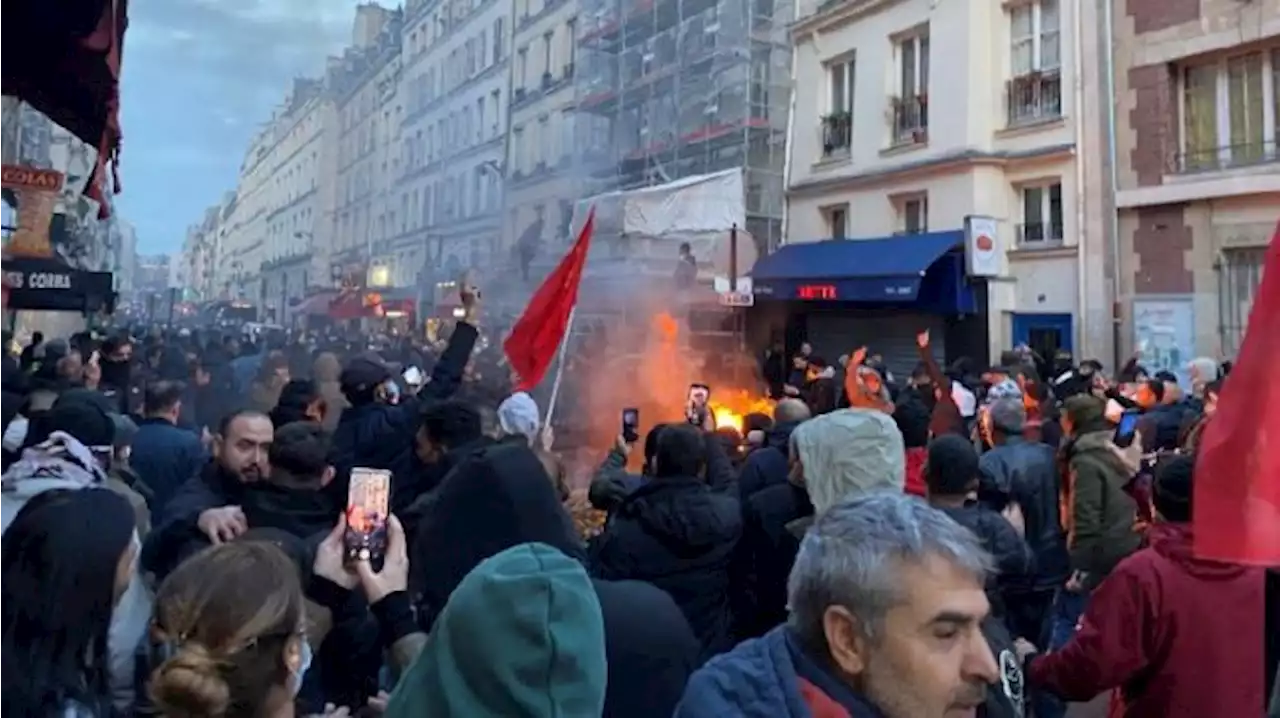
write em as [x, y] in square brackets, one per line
[230, 621]
[68, 558]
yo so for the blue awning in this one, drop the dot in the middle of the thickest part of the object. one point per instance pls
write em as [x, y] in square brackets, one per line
[898, 270]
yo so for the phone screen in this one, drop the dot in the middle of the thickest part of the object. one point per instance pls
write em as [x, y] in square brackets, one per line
[699, 395]
[1126, 428]
[631, 424]
[368, 504]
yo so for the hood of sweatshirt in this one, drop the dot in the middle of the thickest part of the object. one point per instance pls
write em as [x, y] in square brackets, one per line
[521, 635]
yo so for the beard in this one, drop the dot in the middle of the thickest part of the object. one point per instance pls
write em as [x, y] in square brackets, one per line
[889, 687]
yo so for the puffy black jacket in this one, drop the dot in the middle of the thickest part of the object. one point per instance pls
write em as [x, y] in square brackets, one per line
[679, 534]
[1162, 425]
[767, 465]
[1027, 472]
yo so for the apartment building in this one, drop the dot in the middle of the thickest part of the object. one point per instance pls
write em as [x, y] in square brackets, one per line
[303, 129]
[541, 181]
[239, 267]
[924, 120]
[364, 83]
[1197, 119]
[456, 86]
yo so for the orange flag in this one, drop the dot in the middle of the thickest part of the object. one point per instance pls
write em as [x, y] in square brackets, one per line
[532, 344]
[1236, 511]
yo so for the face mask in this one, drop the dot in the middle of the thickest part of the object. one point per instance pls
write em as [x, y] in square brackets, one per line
[295, 679]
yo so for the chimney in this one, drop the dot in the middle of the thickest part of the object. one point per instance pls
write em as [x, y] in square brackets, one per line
[370, 19]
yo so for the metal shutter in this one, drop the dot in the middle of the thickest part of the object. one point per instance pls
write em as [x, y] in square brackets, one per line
[891, 334]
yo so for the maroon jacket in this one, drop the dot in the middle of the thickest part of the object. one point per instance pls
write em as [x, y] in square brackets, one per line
[1177, 636]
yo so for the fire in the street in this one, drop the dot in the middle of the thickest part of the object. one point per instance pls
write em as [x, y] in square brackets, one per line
[731, 408]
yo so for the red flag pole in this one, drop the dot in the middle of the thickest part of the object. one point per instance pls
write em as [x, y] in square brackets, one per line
[555, 384]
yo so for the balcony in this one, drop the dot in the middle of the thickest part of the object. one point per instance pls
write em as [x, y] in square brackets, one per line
[1033, 98]
[910, 120]
[1038, 236]
[837, 134]
[1229, 157]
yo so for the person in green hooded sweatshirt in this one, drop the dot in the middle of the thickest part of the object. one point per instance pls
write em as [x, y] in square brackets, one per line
[521, 637]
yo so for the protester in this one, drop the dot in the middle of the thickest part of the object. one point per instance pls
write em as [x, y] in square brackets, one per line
[300, 400]
[767, 465]
[68, 560]
[165, 456]
[291, 498]
[1178, 636]
[518, 418]
[886, 604]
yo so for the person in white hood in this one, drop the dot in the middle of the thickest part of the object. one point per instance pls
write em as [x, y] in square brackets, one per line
[518, 416]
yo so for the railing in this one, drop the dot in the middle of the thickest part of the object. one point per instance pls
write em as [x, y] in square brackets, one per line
[1033, 97]
[1040, 235]
[1216, 159]
[837, 134]
[910, 120]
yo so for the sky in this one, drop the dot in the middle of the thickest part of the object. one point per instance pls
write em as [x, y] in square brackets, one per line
[200, 77]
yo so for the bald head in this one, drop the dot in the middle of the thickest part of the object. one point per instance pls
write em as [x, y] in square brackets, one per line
[790, 410]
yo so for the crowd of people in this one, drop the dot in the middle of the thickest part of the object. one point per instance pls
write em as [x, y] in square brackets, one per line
[961, 542]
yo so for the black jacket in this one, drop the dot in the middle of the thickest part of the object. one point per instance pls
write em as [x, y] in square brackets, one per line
[381, 436]
[679, 533]
[765, 555]
[164, 457]
[305, 513]
[174, 534]
[501, 497]
[767, 465]
[1012, 556]
[1027, 472]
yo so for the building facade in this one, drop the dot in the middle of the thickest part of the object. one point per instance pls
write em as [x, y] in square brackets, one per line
[364, 84]
[542, 183]
[302, 130]
[456, 88]
[240, 259]
[1197, 120]
[910, 130]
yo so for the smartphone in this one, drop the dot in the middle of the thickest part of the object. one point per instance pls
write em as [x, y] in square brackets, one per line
[630, 425]
[413, 376]
[368, 505]
[696, 410]
[1126, 428]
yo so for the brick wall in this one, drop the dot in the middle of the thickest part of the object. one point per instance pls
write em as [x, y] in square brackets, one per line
[1161, 243]
[1153, 121]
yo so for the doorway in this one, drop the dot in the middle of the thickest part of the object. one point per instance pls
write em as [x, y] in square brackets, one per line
[1046, 334]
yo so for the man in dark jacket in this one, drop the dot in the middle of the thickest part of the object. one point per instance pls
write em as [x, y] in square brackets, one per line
[678, 532]
[767, 465]
[291, 499]
[165, 456]
[376, 434]
[1026, 473]
[500, 497]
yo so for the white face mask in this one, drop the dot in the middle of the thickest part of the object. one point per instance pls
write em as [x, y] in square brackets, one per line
[296, 678]
[129, 621]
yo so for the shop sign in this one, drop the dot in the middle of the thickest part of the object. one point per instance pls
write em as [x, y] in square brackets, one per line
[35, 193]
[37, 280]
[982, 246]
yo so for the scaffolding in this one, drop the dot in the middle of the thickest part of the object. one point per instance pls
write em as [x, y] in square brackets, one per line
[668, 89]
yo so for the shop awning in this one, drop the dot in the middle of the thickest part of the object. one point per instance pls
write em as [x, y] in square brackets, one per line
[908, 269]
[315, 305]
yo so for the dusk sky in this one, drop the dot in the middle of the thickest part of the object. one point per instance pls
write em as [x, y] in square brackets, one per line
[200, 76]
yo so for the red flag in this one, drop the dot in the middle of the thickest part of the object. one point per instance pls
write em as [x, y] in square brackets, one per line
[532, 344]
[1237, 488]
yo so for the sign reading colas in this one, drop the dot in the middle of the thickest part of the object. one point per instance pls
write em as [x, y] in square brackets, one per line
[35, 192]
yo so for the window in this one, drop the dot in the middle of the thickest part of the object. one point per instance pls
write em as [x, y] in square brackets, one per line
[913, 214]
[547, 39]
[571, 33]
[1035, 91]
[499, 40]
[1229, 112]
[544, 138]
[837, 221]
[517, 146]
[910, 112]
[1041, 215]
[482, 55]
[522, 67]
[479, 119]
[495, 99]
[837, 124]
[566, 136]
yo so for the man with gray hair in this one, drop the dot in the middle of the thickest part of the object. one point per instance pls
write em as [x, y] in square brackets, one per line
[887, 603]
[1016, 470]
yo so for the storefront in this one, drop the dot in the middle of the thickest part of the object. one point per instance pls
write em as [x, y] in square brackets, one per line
[51, 285]
[839, 295]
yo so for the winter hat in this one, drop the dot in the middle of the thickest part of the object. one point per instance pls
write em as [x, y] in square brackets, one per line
[518, 414]
[85, 422]
[362, 374]
[1173, 488]
[848, 453]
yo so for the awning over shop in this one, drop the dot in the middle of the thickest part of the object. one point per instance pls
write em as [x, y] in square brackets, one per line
[316, 305]
[923, 270]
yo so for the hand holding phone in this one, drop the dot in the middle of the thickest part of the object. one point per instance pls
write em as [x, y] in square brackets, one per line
[696, 407]
[368, 506]
[1126, 428]
[413, 376]
[631, 425]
